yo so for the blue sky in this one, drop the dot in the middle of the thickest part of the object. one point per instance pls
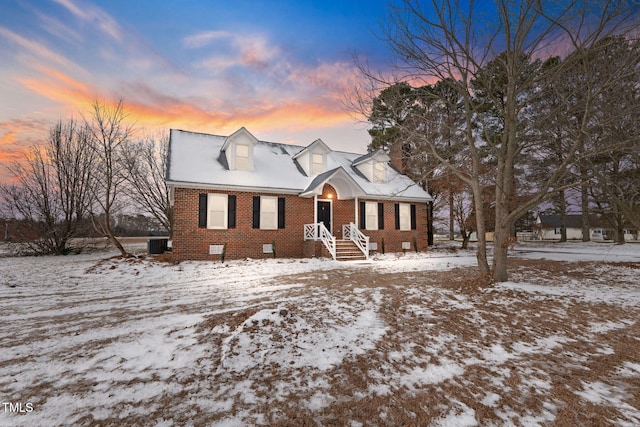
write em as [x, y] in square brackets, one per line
[279, 68]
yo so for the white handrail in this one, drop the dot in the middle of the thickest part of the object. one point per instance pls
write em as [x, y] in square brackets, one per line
[310, 232]
[318, 231]
[328, 240]
[346, 231]
[361, 241]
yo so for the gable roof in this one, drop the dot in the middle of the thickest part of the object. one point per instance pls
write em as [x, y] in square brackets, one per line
[317, 143]
[345, 185]
[237, 134]
[378, 153]
[194, 162]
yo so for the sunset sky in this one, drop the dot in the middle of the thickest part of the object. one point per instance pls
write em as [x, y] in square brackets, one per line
[280, 68]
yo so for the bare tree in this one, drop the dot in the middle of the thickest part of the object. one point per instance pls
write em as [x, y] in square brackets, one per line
[52, 193]
[110, 132]
[146, 165]
[475, 50]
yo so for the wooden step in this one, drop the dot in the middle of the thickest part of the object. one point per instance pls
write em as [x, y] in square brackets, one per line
[348, 250]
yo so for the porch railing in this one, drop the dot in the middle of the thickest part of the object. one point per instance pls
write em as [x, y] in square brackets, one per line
[318, 231]
[351, 232]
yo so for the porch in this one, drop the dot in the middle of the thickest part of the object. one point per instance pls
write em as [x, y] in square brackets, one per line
[354, 245]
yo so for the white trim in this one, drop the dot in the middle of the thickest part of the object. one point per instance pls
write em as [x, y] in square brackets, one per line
[406, 216]
[315, 208]
[357, 208]
[224, 200]
[367, 226]
[233, 188]
[330, 212]
[263, 212]
[297, 192]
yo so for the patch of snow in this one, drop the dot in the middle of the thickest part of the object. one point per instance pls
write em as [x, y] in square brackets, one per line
[459, 416]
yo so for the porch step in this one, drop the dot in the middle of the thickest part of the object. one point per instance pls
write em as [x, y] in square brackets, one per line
[348, 250]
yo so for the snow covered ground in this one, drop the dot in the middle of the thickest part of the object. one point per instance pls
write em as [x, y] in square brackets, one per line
[399, 340]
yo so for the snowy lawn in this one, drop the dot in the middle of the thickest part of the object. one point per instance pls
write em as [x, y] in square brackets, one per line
[413, 339]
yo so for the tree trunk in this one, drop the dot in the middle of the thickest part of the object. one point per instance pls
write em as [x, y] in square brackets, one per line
[452, 216]
[500, 252]
[481, 253]
[114, 240]
[619, 229]
[584, 196]
[430, 224]
[465, 239]
[562, 205]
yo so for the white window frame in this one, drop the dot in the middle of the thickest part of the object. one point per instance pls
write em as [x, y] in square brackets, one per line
[379, 172]
[371, 215]
[404, 211]
[242, 163]
[317, 167]
[268, 219]
[217, 203]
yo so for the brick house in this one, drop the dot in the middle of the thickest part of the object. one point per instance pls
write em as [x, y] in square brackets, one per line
[250, 198]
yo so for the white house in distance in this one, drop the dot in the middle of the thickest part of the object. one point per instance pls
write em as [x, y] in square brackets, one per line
[548, 227]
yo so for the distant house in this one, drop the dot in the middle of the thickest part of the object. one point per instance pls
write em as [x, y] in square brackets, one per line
[548, 227]
[236, 196]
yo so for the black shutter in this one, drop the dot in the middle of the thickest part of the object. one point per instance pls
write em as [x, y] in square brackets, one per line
[202, 211]
[380, 216]
[363, 216]
[231, 212]
[256, 211]
[280, 212]
[413, 217]
[396, 210]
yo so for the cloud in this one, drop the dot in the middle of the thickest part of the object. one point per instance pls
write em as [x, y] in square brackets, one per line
[58, 29]
[252, 51]
[92, 14]
[59, 87]
[37, 49]
[205, 38]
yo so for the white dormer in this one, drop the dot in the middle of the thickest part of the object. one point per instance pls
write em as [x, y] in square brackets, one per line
[238, 149]
[313, 158]
[374, 166]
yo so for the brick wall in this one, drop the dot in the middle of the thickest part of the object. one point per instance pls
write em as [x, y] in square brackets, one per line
[393, 238]
[192, 242]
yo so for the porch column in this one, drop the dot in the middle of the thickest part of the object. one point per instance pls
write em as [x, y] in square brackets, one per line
[355, 220]
[315, 215]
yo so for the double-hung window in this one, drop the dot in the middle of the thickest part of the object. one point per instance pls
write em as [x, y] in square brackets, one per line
[379, 172]
[405, 216]
[217, 215]
[371, 215]
[242, 157]
[216, 211]
[317, 164]
[268, 213]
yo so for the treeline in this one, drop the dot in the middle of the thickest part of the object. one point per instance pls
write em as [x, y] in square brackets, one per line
[82, 178]
[502, 108]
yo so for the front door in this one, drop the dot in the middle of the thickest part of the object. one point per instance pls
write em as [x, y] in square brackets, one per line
[324, 214]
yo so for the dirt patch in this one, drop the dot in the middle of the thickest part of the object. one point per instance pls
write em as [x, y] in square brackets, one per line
[559, 345]
[458, 347]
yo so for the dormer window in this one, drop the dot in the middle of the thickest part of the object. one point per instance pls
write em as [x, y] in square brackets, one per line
[374, 166]
[317, 164]
[242, 157]
[313, 158]
[238, 150]
[380, 172]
